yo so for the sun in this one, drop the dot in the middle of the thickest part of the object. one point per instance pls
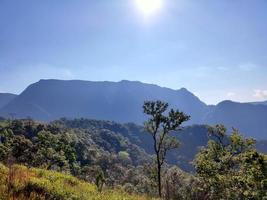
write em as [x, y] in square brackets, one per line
[149, 7]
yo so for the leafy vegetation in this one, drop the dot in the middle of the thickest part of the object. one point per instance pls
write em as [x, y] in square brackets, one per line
[82, 153]
[231, 168]
[109, 160]
[191, 138]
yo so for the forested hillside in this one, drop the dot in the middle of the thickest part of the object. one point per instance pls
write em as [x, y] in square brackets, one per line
[192, 138]
[111, 155]
[91, 151]
[79, 152]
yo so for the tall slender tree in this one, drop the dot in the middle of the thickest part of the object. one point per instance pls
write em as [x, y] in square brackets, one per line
[160, 126]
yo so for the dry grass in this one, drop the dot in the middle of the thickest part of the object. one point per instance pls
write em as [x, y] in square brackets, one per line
[20, 183]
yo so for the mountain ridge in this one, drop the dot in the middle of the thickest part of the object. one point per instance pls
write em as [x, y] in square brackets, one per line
[51, 99]
[5, 98]
[31, 101]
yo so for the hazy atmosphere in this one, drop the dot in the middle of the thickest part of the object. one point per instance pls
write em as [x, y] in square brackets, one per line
[133, 99]
[216, 49]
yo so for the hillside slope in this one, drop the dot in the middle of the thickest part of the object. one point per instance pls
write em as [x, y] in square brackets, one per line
[5, 98]
[20, 183]
[192, 138]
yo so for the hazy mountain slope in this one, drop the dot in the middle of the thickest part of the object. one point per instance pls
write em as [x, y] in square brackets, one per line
[118, 101]
[260, 103]
[5, 98]
[250, 119]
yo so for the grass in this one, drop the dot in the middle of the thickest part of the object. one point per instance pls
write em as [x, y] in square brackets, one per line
[21, 183]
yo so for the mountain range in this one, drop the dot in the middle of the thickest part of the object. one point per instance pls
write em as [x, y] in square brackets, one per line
[122, 101]
[260, 103]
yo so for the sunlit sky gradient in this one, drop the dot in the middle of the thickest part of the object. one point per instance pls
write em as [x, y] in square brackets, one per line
[215, 48]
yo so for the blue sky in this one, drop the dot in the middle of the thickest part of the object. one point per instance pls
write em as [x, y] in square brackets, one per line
[215, 48]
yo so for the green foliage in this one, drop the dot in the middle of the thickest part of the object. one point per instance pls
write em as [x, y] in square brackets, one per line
[32, 144]
[124, 156]
[231, 168]
[108, 155]
[190, 137]
[80, 152]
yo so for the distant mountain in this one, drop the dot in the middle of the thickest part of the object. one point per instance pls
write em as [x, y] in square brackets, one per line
[260, 103]
[122, 102]
[5, 98]
[118, 101]
[250, 119]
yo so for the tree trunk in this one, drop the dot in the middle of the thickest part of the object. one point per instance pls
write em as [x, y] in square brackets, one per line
[159, 176]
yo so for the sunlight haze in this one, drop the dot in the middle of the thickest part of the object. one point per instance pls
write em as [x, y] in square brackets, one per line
[148, 7]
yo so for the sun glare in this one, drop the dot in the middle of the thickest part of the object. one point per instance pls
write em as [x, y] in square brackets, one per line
[149, 7]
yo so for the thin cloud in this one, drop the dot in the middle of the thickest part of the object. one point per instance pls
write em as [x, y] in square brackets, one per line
[260, 94]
